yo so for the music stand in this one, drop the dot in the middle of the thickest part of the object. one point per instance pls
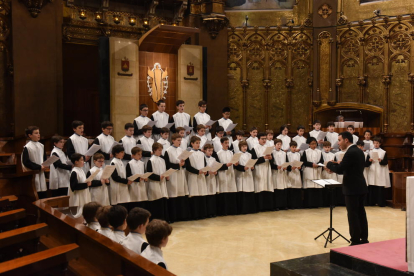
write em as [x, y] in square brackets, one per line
[329, 237]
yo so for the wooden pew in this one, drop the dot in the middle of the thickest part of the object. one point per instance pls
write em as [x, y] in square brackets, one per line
[12, 215]
[98, 254]
[51, 262]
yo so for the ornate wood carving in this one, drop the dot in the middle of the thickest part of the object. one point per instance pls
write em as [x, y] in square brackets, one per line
[179, 13]
[325, 11]
[35, 7]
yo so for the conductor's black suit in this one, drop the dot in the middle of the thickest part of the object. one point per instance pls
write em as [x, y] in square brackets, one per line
[354, 188]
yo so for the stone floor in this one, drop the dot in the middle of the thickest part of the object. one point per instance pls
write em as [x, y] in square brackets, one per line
[247, 244]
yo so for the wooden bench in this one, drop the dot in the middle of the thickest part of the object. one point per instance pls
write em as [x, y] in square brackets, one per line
[51, 261]
[99, 255]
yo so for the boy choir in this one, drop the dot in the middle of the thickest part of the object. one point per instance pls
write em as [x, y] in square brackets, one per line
[193, 191]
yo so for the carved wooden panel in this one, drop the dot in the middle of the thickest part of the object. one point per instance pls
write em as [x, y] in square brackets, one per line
[374, 93]
[350, 90]
[235, 94]
[256, 99]
[277, 97]
[400, 96]
[300, 97]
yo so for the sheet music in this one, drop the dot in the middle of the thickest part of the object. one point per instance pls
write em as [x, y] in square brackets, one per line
[107, 171]
[151, 123]
[268, 151]
[336, 145]
[113, 145]
[367, 146]
[324, 182]
[206, 169]
[285, 165]
[251, 163]
[169, 125]
[236, 158]
[92, 176]
[184, 155]
[216, 166]
[188, 128]
[296, 164]
[374, 155]
[168, 173]
[321, 135]
[231, 127]
[92, 150]
[134, 177]
[210, 123]
[303, 146]
[52, 159]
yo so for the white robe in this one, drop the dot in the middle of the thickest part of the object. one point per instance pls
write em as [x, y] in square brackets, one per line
[181, 119]
[236, 148]
[211, 179]
[36, 154]
[315, 133]
[366, 169]
[157, 189]
[119, 236]
[146, 146]
[128, 142]
[309, 173]
[141, 121]
[285, 141]
[379, 175]
[119, 192]
[203, 140]
[137, 190]
[162, 121]
[339, 177]
[184, 143]
[81, 145]
[154, 254]
[225, 123]
[244, 180]
[279, 176]
[202, 119]
[294, 175]
[270, 143]
[107, 232]
[226, 178]
[165, 144]
[355, 139]
[177, 185]
[332, 137]
[134, 241]
[328, 156]
[106, 142]
[99, 194]
[262, 173]
[252, 142]
[197, 185]
[217, 144]
[59, 178]
[94, 225]
[371, 144]
[299, 140]
[79, 198]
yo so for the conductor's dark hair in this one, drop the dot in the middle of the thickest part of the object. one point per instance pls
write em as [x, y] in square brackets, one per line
[316, 122]
[283, 127]
[136, 217]
[128, 126]
[106, 124]
[360, 143]
[56, 139]
[201, 103]
[117, 149]
[102, 215]
[369, 131]
[177, 103]
[75, 124]
[226, 109]
[331, 124]
[310, 140]
[160, 102]
[300, 127]
[75, 157]
[142, 106]
[117, 215]
[347, 135]
[378, 139]
[89, 211]
[261, 134]
[30, 129]
[224, 139]
[156, 231]
[219, 128]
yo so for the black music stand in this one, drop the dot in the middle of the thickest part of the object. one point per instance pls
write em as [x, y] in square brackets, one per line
[330, 230]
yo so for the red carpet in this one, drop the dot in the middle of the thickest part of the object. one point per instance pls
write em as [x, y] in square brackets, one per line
[386, 253]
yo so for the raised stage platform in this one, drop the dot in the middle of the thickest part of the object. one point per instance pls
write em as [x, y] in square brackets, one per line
[385, 258]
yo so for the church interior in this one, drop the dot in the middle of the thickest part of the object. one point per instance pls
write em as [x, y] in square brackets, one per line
[269, 66]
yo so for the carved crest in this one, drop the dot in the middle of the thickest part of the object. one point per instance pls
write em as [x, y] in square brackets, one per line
[325, 11]
[157, 82]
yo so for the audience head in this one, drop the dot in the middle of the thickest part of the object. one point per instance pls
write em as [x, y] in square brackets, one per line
[89, 211]
[138, 219]
[102, 215]
[339, 118]
[157, 233]
[117, 217]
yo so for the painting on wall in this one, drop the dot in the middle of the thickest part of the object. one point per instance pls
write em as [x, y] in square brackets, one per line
[259, 4]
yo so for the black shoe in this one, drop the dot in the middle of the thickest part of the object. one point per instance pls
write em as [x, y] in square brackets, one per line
[364, 241]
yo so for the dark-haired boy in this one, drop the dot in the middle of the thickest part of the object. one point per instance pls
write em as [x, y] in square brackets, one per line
[351, 129]
[102, 217]
[60, 170]
[77, 143]
[117, 219]
[165, 133]
[225, 122]
[32, 158]
[79, 188]
[161, 117]
[128, 141]
[331, 135]
[89, 214]
[146, 141]
[299, 139]
[216, 140]
[141, 121]
[138, 189]
[119, 182]
[201, 118]
[181, 119]
[105, 140]
[252, 140]
[239, 138]
[137, 221]
[157, 234]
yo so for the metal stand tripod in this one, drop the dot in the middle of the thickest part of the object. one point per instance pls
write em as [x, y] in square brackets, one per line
[330, 230]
